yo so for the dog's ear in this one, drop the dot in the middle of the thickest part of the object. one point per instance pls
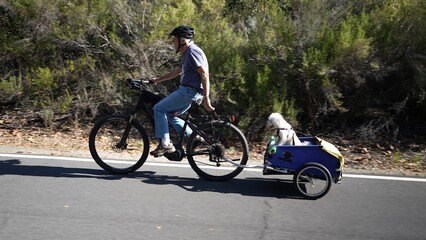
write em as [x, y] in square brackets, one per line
[272, 123]
[269, 122]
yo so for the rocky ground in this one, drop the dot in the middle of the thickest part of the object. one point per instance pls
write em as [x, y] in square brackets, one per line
[407, 159]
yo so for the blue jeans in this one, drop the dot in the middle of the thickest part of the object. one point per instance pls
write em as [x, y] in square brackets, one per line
[174, 105]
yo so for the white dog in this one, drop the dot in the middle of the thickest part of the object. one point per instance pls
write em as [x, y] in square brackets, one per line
[286, 135]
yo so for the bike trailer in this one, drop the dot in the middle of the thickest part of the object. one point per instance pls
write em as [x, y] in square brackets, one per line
[291, 158]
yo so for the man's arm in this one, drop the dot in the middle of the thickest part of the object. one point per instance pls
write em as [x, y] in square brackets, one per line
[174, 73]
[205, 81]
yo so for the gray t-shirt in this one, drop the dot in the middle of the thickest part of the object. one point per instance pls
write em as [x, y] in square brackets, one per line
[193, 58]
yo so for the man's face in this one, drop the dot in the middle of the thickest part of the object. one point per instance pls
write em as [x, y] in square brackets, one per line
[175, 42]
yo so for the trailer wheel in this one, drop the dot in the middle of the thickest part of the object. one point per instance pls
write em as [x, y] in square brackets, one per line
[312, 180]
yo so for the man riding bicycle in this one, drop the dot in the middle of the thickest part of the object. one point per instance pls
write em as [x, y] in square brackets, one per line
[194, 86]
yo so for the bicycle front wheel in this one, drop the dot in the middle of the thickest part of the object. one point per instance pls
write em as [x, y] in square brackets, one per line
[220, 154]
[118, 145]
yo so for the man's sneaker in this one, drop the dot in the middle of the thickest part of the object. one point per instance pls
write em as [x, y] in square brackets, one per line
[161, 150]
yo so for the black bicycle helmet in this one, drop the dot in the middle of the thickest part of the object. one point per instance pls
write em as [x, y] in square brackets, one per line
[184, 32]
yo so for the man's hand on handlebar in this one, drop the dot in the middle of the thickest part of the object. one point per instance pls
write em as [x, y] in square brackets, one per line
[154, 80]
[144, 81]
[207, 104]
[137, 84]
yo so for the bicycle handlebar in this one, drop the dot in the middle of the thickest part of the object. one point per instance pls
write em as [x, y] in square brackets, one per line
[137, 84]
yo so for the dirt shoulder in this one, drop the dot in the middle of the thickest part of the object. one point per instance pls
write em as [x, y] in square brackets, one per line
[375, 158]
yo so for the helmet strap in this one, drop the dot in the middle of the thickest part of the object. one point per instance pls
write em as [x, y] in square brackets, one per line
[177, 49]
[180, 45]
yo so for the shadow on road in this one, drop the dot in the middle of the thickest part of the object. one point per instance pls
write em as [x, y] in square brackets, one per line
[14, 167]
[258, 187]
[261, 187]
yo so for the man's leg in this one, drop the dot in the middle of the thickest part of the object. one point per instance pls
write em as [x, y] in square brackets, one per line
[190, 95]
[178, 123]
[173, 103]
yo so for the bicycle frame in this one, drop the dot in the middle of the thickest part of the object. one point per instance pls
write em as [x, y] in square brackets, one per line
[147, 98]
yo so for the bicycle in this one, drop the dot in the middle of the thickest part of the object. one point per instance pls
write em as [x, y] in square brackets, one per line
[120, 145]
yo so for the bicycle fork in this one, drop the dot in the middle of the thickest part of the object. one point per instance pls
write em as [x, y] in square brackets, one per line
[122, 143]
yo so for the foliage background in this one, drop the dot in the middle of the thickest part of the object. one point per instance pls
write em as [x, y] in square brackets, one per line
[355, 67]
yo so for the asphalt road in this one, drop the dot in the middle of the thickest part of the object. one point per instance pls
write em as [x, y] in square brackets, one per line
[51, 198]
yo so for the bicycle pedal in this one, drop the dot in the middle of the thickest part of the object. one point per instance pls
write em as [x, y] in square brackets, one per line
[175, 156]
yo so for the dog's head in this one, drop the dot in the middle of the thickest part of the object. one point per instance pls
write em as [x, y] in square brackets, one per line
[276, 120]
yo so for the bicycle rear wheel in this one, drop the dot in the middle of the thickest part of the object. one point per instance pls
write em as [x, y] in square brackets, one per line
[117, 145]
[221, 154]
